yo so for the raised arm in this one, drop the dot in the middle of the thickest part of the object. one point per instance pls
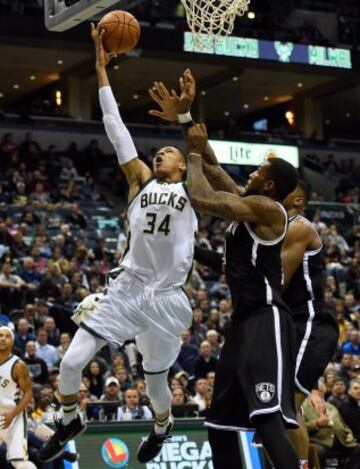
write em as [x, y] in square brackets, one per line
[301, 236]
[176, 108]
[136, 171]
[259, 210]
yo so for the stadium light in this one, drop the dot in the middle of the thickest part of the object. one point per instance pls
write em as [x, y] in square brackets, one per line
[290, 117]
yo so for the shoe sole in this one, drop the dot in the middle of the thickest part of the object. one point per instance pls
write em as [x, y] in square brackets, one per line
[59, 453]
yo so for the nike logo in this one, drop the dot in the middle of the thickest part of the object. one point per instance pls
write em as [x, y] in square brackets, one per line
[63, 443]
[73, 434]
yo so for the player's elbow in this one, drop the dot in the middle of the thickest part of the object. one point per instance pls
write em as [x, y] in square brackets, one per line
[196, 200]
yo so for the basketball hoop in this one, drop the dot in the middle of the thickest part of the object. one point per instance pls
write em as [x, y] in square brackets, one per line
[214, 18]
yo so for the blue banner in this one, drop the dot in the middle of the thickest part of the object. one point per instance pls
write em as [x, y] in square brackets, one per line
[284, 52]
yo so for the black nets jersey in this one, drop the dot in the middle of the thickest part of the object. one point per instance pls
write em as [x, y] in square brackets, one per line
[253, 269]
[308, 280]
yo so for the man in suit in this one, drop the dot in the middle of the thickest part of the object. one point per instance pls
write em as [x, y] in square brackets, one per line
[329, 433]
[350, 408]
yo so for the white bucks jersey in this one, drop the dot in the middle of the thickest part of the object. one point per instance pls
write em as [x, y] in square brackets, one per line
[9, 389]
[162, 225]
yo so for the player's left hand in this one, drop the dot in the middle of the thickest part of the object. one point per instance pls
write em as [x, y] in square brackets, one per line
[197, 138]
[6, 420]
[170, 102]
[317, 401]
[167, 100]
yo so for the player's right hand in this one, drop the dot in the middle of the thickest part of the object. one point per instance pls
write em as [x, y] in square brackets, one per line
[197, 138]
[6, 420]
[102, 57]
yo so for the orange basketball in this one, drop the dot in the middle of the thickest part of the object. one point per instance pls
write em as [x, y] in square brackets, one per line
[122, 31]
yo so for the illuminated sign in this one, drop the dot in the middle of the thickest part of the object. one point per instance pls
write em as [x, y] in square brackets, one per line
[285, 52]
[252, 154]
[115, 453]
[181, 452]
[188, 448]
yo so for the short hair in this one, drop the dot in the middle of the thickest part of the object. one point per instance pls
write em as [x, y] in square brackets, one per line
[305, 189]
[133, 388]
[284, 175]
[352, 382]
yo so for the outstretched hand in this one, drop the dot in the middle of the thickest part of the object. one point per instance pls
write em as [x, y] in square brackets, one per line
[102, 57]
[187, 92]
[197, 138]
[170, 103]
[167, 101]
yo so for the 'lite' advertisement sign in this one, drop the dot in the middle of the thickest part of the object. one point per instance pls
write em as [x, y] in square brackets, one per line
[252, 154]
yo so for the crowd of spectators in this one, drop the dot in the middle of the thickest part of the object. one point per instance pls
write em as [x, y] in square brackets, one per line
[344, 174]
[55, 250]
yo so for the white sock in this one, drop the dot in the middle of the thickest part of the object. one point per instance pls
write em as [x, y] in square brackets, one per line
[160, 427]
[69, 412]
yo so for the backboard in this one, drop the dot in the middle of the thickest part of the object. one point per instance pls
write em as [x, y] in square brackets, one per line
[59, 17]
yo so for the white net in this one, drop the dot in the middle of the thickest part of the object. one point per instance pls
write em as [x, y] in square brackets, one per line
[212, 18]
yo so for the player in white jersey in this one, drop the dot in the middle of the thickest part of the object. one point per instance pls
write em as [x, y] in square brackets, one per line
[15, 395]
[145, 300]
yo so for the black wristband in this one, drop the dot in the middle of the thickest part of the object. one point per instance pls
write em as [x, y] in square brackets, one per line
[187, 125]
[209, 258]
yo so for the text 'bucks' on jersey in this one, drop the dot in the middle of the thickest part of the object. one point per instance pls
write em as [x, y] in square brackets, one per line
[162, 225]
[9, 389]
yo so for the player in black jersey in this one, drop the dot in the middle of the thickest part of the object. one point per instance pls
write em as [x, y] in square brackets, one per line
[316, 325]
[254, 384]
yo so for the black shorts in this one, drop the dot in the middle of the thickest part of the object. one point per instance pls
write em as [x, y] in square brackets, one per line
[317, 333]
[255, 372]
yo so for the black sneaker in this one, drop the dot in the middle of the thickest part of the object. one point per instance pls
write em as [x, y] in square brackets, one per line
[53, 448]
[151, 446]
[70, 457]
[256, 441]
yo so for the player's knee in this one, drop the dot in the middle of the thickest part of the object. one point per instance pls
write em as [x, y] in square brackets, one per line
[157, 391]
[69, 365]
[66, 367]
[23, 465]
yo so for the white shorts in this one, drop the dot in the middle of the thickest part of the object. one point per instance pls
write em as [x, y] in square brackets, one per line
[130, 310]
[15, 438]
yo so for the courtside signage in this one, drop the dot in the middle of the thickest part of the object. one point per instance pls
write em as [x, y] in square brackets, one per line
[181, 452]
[285, 52]
[115, 453]
[252, 154]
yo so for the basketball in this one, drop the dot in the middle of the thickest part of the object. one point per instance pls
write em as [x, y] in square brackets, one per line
[122, 31]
